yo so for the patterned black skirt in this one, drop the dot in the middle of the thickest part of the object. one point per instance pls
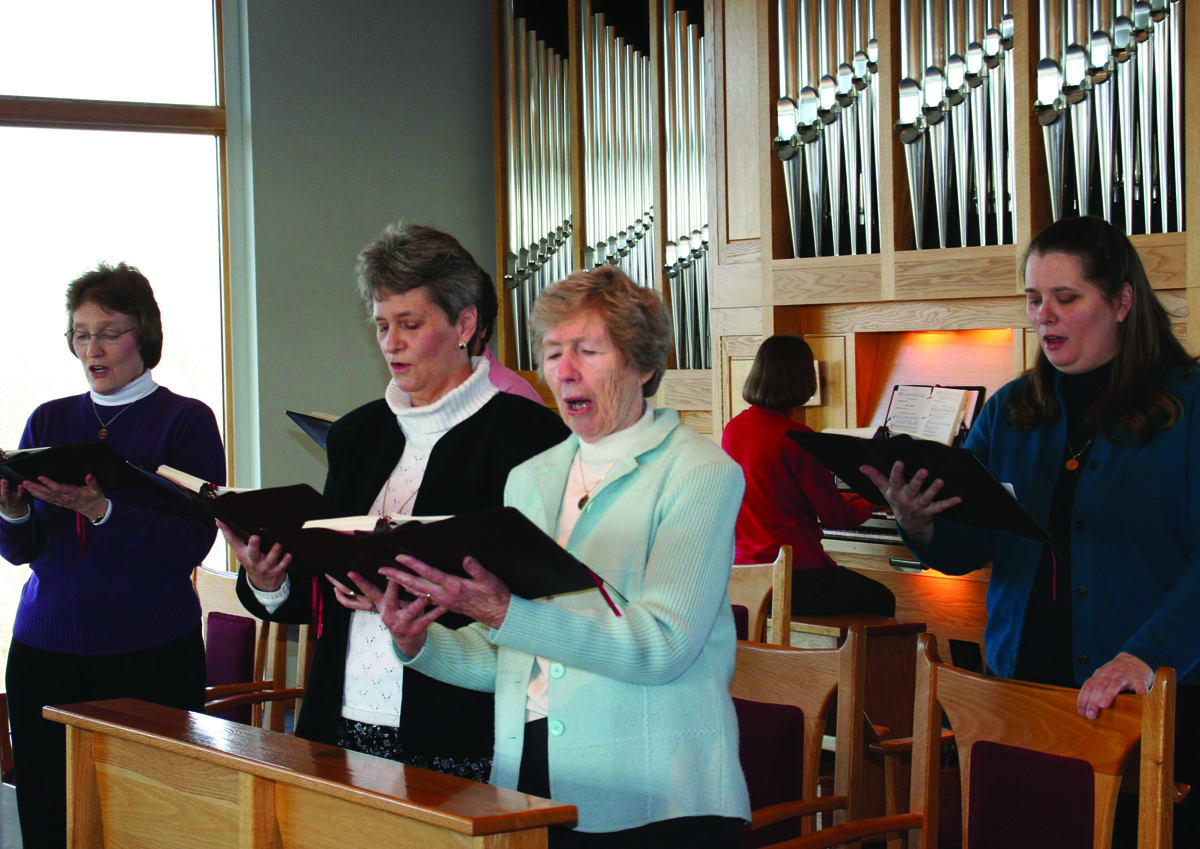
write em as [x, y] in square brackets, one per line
[383, 741]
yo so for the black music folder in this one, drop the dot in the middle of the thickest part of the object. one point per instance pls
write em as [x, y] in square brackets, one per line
[504, 541]
[315, 426]
[70, 464]
[247, 512]
[986, 503]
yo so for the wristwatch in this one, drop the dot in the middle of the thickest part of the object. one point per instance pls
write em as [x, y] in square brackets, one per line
[100, 518]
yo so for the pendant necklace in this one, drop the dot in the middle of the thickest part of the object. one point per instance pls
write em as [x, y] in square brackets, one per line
[103, 434]
[1073, 463]
[587, 491]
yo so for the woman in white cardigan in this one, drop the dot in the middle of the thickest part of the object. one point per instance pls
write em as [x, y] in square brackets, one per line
[627, 717]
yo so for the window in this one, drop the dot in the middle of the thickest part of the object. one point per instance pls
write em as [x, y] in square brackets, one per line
[112, 139]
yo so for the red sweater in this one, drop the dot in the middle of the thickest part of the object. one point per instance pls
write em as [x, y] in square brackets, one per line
[786, 491]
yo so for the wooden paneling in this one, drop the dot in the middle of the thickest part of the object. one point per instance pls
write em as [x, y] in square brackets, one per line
[915, 315]
[737, 285]
[700, 421]
[741, 120]
[689, 389]
[744, 321]
[956, 273]
[148, 794]
[149, 776]
[830, 353]
[1165, 258]
[826, 280]
[737, 355]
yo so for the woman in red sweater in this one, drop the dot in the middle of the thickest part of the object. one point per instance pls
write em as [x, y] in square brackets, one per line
[787, 491]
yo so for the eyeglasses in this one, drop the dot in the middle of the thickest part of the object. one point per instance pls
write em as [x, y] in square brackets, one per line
[108, 337]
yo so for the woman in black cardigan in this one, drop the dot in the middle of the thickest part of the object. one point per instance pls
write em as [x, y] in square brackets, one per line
[442, 441]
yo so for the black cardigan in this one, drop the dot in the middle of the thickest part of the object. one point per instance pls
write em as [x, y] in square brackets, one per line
[467, 470]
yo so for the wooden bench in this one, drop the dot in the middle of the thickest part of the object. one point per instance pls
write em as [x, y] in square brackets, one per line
[143, 775]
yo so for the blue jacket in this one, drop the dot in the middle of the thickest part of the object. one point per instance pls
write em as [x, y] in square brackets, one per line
[1135, 539]
[641, 723]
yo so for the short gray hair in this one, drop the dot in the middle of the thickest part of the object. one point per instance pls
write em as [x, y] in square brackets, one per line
[408, 256]
[635, 317]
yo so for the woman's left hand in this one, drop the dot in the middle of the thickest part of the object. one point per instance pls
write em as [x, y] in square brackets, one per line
[481, 596]
[87, 500]
[1123, 672]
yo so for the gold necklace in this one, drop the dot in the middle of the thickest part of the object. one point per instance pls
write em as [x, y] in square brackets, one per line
[587, 493]
[1073, 463]
[103, 434]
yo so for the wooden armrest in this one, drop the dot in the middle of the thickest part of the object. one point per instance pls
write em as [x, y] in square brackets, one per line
[1181, 792]
[772, 814]
[219, 705]
[220, 691]
[852, 831]
[903, 745]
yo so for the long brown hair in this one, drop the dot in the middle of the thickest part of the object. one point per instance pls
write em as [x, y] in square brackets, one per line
[1135, 402]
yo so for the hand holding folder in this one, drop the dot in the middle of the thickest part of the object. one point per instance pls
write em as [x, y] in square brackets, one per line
[986, 503]
[504, 541]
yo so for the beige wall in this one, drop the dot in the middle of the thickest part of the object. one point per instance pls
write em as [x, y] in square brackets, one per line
[361, 112]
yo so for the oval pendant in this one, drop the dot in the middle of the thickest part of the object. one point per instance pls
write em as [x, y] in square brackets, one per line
[1072, 464]
[103, 434]
[583, 501]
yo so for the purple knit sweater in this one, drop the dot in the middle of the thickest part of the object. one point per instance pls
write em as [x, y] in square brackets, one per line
[132, 589]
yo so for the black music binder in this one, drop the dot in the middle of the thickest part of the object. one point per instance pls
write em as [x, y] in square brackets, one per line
[986, 503]
[504, 541]
[314, 426]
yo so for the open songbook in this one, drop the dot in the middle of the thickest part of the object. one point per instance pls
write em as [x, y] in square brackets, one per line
[323, 540]
[932, 412]
[530, 563]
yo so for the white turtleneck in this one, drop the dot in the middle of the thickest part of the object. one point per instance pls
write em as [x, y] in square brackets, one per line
[374, 680]
[134, 390]
[588, 468]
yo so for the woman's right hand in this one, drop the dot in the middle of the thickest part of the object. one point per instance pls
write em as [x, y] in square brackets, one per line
[265, 571]
[408, 622]
[14, 500]
[914, 510]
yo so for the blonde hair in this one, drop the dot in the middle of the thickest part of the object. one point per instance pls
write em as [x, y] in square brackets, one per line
[635, 317]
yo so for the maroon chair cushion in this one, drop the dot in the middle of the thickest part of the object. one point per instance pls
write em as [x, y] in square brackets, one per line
[229, 653]
[741, 621]
[771, 749]
[1029, 799]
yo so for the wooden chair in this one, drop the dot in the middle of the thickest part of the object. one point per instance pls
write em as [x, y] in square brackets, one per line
[783, 697]
[247, 657]
[1033, 772]
[753, 586]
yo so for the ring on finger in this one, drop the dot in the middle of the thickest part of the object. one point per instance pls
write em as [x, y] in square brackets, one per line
[428, 598]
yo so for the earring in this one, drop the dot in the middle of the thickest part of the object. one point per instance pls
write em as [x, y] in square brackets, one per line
[462, 344]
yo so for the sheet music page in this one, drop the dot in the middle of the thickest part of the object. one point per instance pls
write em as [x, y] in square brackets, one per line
[944, 414]
[908, 406]
[350, 524]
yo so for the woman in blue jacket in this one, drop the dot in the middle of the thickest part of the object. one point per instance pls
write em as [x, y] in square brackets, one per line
[1098, 440]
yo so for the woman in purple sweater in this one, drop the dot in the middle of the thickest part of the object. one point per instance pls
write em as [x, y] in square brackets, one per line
[109, 611]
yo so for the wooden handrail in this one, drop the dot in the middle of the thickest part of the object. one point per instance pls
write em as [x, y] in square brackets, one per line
[772, 814]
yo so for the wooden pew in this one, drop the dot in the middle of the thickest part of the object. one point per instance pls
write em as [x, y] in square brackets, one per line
[143, 775]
